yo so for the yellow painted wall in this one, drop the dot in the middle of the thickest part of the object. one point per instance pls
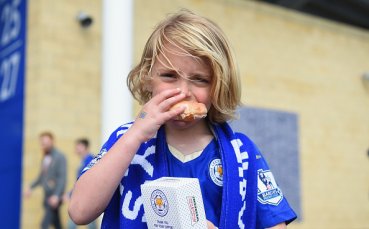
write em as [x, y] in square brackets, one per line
[288, 61]
[62, 89]
[298, 63]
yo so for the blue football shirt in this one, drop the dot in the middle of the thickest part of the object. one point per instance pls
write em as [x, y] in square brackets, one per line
[272, 206]
[208, 169]
[84, 163]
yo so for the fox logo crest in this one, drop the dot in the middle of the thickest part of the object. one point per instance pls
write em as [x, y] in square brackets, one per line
[216, 171]
[159, 202]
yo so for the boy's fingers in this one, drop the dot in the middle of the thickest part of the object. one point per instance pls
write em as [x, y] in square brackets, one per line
[168, 103]
[165, 95]
[173, 113]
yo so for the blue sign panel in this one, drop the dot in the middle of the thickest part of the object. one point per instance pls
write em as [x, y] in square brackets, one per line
[12, 70]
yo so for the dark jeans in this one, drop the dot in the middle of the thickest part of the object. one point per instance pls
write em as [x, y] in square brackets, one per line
[51, 217]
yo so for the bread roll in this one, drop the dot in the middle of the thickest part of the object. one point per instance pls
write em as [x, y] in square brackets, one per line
[194, 110]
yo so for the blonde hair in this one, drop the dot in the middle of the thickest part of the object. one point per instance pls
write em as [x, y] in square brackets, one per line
[201, 38]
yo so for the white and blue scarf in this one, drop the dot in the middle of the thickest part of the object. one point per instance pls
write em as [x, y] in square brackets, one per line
[125, 210]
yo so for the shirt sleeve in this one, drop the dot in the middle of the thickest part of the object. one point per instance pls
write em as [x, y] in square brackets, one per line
[106, 147]
[272, 206]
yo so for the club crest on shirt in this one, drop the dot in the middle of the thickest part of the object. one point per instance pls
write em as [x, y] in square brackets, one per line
[159, 202]
[268, 190]
[216, 171]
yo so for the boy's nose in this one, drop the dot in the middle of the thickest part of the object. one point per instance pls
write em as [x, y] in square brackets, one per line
[185, 88]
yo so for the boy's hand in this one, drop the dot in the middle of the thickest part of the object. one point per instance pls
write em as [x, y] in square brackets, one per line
[210, 225]
[156, 112]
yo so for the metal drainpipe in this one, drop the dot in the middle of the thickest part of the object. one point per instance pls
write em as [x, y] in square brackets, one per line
[117, 36]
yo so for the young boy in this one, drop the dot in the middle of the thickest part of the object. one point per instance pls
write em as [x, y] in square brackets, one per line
[186, 58]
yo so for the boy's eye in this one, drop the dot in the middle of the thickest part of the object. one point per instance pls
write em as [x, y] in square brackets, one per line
[200, 79]
[167, 75]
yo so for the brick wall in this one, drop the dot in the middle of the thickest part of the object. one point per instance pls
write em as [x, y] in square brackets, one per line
[62, 89]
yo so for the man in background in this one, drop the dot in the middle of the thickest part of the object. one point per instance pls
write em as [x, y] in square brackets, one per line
[82, 149]
[52, 178]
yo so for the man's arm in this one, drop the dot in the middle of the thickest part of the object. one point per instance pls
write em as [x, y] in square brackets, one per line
[60, 180]
[36, 182]
[61, 176]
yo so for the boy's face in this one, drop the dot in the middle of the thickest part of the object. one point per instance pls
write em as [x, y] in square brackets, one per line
[192, 75]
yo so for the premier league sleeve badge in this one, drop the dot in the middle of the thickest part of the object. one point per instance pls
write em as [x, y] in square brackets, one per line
[268, 190]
